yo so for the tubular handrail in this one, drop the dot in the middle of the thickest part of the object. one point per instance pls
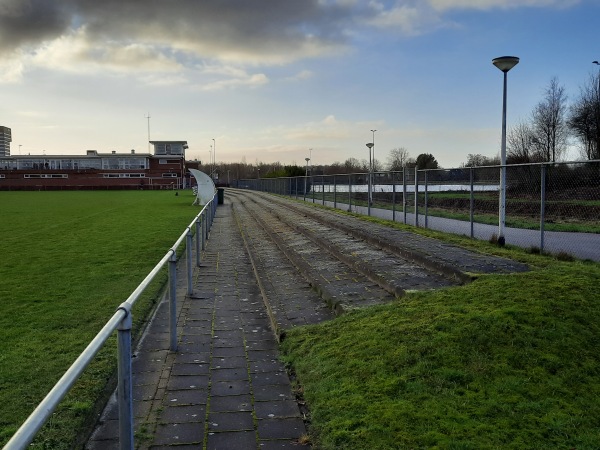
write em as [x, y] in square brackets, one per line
[120, 320]
[26, 432]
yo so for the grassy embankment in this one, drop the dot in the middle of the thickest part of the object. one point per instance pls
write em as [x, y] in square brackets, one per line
[506, 362]
[68, 260]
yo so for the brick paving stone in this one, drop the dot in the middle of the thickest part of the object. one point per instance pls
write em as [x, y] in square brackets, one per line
[181, 414]
[231, 403]
[179, 433]
[232, 440]
[232, 387]
[288, 428]
[276, 409]
[230, 421]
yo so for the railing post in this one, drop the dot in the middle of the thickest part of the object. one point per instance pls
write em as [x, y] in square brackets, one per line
[542, 206]
[472, 203]
[125, 383]
[416, 197]
[203, 217]
[190, 267]
[173, 301]
[198, 239]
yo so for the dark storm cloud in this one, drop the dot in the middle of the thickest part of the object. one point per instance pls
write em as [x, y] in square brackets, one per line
[24, 22]
[253, 30]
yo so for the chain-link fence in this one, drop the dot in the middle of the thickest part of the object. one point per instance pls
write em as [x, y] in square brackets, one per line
[550, 207]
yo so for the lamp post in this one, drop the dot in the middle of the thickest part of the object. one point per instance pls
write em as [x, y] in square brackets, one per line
[504, 63]
[598, 112]
[370, 145]
[214, 155]
[306, 176]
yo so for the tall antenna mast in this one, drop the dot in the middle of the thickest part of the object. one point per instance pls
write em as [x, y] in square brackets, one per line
[148, 117]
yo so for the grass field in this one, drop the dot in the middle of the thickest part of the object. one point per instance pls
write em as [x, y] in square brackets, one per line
[68, 260]
[506, 362]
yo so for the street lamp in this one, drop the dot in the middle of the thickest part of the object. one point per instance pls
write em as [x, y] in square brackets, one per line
[306, 176]
[598, 112]
[504, 63]
[373, 141]
[214, 155]
[370, 145]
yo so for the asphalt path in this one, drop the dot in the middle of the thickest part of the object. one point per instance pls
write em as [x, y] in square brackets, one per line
[579, 245]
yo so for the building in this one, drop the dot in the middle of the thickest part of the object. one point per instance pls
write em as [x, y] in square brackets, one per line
[5, 140]
[163, 169]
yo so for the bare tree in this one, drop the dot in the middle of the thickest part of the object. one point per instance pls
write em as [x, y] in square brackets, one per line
[584, 118]
[478, 160]
[522, 145]
[549, 124]
[397, 158]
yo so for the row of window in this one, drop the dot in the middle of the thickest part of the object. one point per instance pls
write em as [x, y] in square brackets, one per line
[105, 175]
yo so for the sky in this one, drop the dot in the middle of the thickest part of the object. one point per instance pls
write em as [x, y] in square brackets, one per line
[283, 80]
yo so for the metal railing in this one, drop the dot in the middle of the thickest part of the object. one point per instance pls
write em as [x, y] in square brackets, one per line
[550, 207]
[121, 321]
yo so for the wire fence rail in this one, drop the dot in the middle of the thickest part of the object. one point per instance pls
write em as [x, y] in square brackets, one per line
[122, 322]
[550, 207]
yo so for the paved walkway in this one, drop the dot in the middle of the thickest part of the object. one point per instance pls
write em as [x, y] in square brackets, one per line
[225, 387]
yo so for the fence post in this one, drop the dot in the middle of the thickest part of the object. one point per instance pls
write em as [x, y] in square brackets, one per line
[190, 268]
[542, 206]
[323, 188]
[305, 186]
[125, 384]
[416, 197]
[334, 192]
[404, 194]
[393, 197]
[471, 203]
[426, 172]
[349, 192]
[173, 300]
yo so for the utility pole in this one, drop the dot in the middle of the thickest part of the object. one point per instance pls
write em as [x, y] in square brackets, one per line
[148, 118]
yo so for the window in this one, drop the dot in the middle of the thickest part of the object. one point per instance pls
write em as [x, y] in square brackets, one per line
[169, 175]
[45, 175]
[124, 175]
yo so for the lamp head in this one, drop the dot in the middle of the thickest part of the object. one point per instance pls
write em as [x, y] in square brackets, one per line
[595, 62]
[370, 145]
[505, 63]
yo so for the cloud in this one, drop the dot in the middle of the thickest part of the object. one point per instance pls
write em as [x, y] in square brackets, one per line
[128, 32]
[443, 5]
[77, 52]
[255, 80]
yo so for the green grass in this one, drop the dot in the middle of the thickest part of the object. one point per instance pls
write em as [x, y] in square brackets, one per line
[68, 260]
[506, 362]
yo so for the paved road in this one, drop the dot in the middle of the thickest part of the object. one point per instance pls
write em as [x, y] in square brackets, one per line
[580, 245]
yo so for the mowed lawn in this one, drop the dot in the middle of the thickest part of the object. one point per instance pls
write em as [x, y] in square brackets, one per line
[68, 260]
